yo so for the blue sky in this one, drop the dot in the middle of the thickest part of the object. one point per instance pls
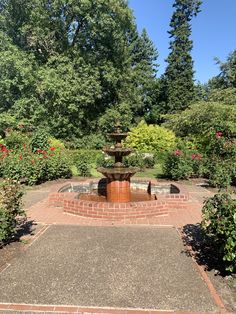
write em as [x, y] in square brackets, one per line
[213, 31]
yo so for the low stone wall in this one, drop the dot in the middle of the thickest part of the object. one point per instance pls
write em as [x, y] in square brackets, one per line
[163, 205]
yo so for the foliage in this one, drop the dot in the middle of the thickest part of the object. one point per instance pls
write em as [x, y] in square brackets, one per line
[219, 221]
[105, 161]
[225, 96]
[39, 140]
[220, 174]
[10, 209]
[15, 140]
[135, 159]
[53, 142]
[34, 167]
[184, 162]
[178, 166]
[203, 119]
[178, 86]
[63, 66]
[140, 160]
[150, 138]
[84, 159]
[227, 77]
[91, 141]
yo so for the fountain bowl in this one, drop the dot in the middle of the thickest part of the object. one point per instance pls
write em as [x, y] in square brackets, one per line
[88, 199]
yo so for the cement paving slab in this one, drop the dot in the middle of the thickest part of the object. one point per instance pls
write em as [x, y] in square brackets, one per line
[125, 267]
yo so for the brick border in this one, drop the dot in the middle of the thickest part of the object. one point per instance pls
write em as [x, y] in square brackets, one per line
[164, 205]
[78, 309]
[213, 292]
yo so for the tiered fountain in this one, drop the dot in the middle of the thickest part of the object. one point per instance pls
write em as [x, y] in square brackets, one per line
[116, 197]
[118, 177]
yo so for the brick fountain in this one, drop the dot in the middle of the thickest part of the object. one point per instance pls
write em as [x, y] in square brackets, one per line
[117, 197]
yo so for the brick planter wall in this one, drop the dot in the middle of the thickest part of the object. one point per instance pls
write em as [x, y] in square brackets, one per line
[164, 204]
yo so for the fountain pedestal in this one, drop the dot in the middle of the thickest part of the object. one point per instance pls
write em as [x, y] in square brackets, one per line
[118, 191]
[118, 177]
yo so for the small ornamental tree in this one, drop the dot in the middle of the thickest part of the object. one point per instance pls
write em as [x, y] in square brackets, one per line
[150, 138]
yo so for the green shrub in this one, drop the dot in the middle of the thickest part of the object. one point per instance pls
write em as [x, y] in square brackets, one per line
[219, 221]
[39, 140]
[135, 159]
[92, 141]
[53, 142]
[150, 138]
[141, 160]
[32, 168]
[220, 174]
[23, 167]
[16, 140]
[178, 166]
[56, 165]
[105, 161]
[10, 209]
[83, 160]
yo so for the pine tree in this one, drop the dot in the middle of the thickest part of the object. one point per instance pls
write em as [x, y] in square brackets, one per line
[178, 77]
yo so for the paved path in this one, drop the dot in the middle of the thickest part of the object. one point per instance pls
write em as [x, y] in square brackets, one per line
[82, 265]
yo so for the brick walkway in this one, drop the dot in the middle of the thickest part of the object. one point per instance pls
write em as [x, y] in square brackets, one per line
[42, 213]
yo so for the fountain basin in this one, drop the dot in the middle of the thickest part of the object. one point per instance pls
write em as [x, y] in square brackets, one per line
[88, 199]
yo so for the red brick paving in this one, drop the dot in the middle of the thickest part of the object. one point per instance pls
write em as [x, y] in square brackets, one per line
[43, 213]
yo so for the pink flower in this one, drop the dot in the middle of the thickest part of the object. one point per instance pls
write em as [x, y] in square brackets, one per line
[196, 156]
[178, 152]
[218, 134]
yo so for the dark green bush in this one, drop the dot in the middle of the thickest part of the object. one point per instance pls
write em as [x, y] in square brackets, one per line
[178, 166]
[92, 141]
[11, 213]
[220, 174]
[56, 165]
[219, 221]
[39, 140]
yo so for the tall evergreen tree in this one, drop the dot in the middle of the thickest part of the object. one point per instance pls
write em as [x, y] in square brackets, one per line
[178, 84]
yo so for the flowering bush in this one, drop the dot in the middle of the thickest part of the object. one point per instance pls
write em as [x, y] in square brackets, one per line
[219, 221]
[178, 166]
[184, 162]
[10, 209]
[33, 167]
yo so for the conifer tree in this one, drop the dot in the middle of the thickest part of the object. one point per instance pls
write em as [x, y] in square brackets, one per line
[178, 84]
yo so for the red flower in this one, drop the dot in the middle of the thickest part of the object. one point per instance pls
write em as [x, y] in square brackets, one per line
[178, 152]
[218, 134]
[3, 149]
[52, 148]
[20, 157]
[196, 156]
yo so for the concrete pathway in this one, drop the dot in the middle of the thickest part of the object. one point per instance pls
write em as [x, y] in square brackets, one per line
[81, 265]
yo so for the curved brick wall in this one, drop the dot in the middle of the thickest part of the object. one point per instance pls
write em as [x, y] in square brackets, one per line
[120, 211]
